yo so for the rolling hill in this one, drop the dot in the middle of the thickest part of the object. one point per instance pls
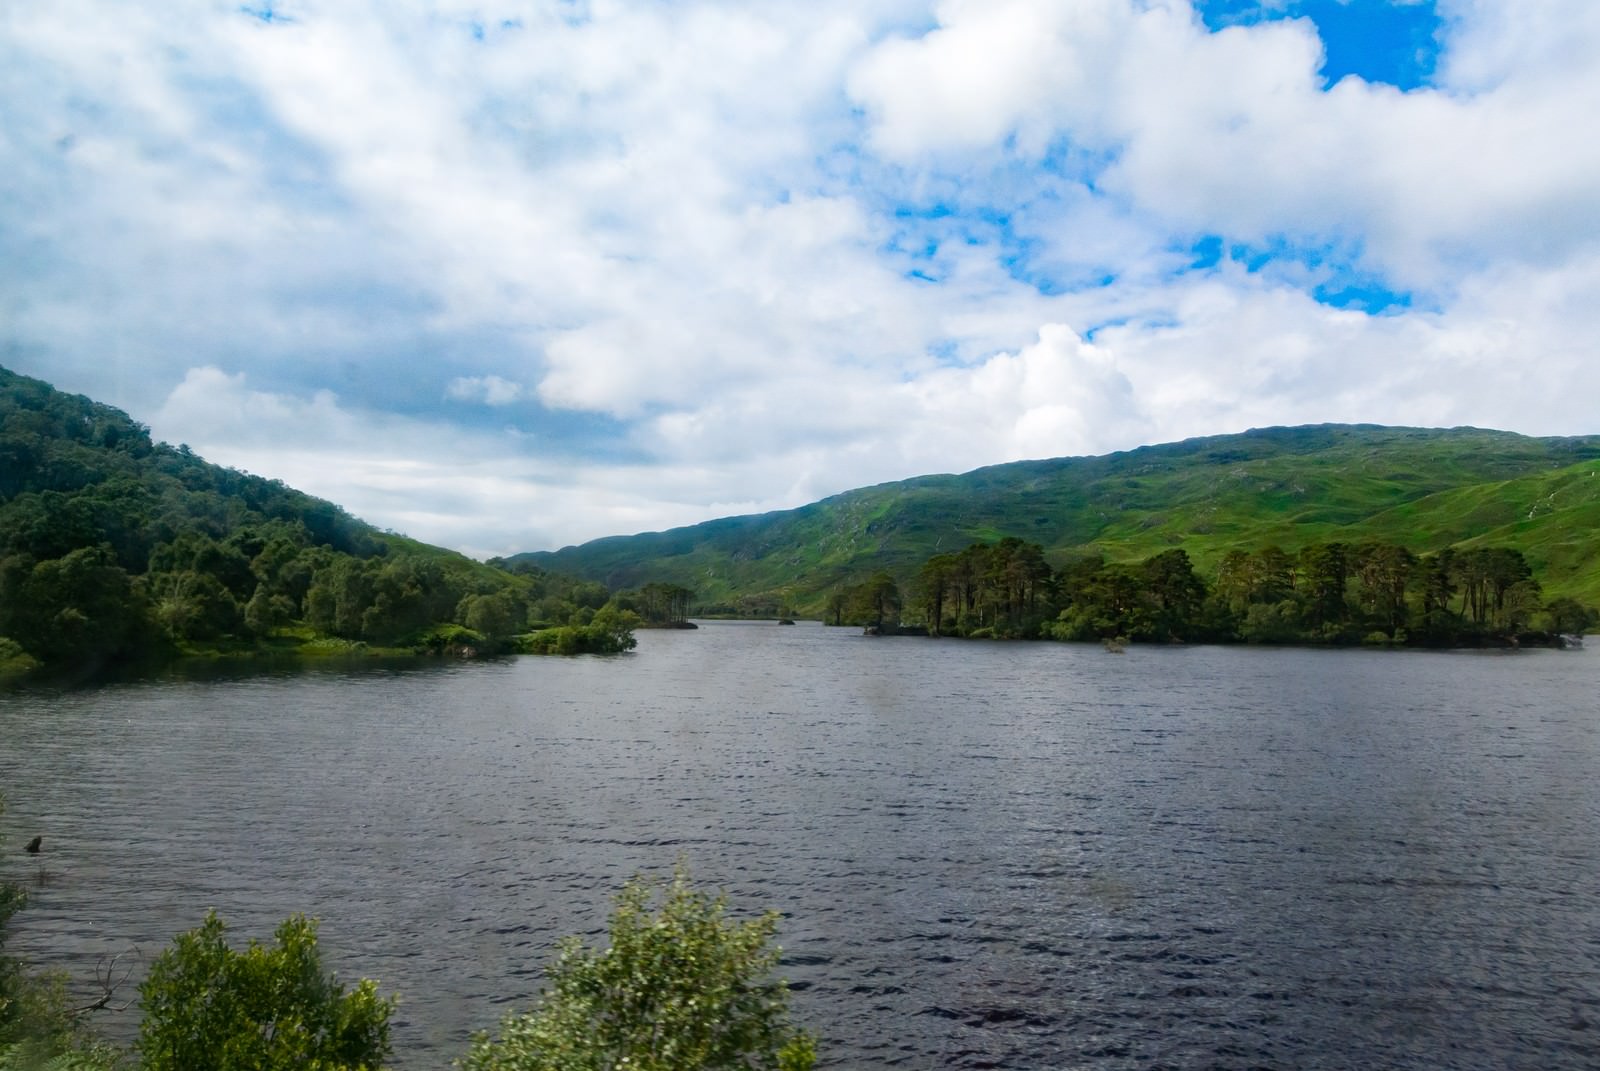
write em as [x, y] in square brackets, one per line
[115, 548]
[1424, 488]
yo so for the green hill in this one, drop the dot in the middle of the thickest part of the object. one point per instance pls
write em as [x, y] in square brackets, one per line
[1422, 488]
[114, 548]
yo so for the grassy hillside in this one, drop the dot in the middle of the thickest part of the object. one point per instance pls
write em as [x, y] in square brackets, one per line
[1423, 488]
[114, 547]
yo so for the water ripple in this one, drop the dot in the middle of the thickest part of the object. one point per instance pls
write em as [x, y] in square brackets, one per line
[984, 855]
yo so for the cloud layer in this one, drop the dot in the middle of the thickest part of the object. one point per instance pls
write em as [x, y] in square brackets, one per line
[508, 275]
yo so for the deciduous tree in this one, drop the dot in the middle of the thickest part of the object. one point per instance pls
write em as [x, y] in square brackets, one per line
[680, 988]
[268, 1008]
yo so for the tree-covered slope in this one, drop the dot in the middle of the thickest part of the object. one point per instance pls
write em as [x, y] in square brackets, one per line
[113, 547]
[1423, 488]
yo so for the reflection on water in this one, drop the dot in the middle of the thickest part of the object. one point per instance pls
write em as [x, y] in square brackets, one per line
[986, 855]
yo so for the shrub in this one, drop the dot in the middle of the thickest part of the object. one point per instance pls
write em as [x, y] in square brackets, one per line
[609, 631]
[207, 1006]
[14, 661]
[681, 988]
[37, 1027]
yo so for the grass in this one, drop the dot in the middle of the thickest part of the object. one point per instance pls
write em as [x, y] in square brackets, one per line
[1423, 488]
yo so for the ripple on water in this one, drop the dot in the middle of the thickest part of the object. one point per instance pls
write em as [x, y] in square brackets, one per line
[984, 855]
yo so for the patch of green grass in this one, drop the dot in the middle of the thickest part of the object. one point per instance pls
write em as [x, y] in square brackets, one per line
[1423, 488]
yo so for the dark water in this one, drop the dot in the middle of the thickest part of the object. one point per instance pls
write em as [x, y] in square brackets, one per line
[987, 855]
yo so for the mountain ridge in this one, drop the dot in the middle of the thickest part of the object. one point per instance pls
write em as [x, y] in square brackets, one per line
[1206, 495]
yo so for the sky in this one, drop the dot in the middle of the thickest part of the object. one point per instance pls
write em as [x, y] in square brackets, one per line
[505, 276]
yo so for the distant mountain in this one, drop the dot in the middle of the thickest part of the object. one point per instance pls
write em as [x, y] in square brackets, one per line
[1423, 488]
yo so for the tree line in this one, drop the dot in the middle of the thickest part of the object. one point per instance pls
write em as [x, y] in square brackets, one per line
[1326, 592]
[115, 548]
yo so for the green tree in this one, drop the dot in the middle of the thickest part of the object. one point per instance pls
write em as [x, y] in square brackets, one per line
[1173, 593]
[1384, 571]
[496, 616]
[838, 600]
[681, 988]
[1569, 616]
[1435, 584]
[206, 1006]
[1271, 622]
[1272, 575]
[339, 596]
[932, 589]
[1484, 576]
[608, 630]
[1235, 586]
[664, 604]
[191, 605]
[1324, 571]
[1104, 606]
[876, 602]
[265, 612]
[80, 608]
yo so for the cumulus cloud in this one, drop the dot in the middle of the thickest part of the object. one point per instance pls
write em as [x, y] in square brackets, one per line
[473, 490]
[1232, 132]
[510, 275]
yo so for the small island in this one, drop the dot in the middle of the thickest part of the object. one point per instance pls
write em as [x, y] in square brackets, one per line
[1337, 594]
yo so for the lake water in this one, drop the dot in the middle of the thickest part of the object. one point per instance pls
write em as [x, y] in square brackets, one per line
[986, 855]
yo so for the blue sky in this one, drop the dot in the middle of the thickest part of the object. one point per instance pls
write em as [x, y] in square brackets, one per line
[507, 275]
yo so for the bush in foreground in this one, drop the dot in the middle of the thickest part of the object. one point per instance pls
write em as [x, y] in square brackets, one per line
[263, 1009]
[37, 1027]
[681, 988]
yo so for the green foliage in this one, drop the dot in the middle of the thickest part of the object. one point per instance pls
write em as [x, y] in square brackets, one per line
[1569, 617]
[41, 1032]
[332, 646]
[113, 547]
[37, 1027]
[191, 605]
[876, 602]
[1330, 593]
[1424, 489]
[89, 1057]
[206, 1005]
[990, 590]
[453, 639]
[14, 661]
[1271, 622]
[658, 603]
[681, 988]
[80, 606]
[608, 631]
[493, 616]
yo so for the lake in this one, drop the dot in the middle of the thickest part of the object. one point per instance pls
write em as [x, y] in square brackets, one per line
[985, 854]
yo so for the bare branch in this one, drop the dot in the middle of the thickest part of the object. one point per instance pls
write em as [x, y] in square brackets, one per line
[109, 981]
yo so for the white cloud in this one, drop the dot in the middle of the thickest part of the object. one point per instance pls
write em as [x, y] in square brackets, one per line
[1056, 397]
[1231, 133]
[479, 492]
[489, 390]
[713, 257]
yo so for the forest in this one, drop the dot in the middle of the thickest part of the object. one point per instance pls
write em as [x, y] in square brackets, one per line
[116, 550]
[1324, 593]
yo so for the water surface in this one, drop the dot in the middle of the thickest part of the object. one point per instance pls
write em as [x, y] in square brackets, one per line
[986, 855]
